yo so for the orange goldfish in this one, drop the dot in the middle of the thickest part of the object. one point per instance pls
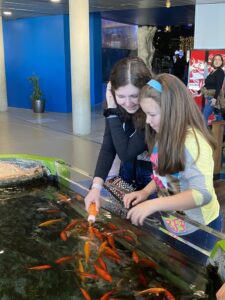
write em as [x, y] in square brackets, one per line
[111, 226]
[135, 256]
[87, 251]
[38, 268]
[91, 232]
[63, 235]
[98, 234]
[157, 291]
[63, 259]
[111, 253]
[111, 241]
[52, 211]
[62, 198]
[88, 275]
[147, 262]
[81, 267]
[102, 263]
[107, 295]
[50, 222]
[71, 225]
[102, 247]
[103, 274]
[85, 294]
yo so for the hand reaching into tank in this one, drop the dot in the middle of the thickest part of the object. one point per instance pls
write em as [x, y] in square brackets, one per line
[93, 196]
[109, 97]
[134, 198]
[138, 213]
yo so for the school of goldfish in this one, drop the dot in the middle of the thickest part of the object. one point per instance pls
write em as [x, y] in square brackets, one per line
[99, 262]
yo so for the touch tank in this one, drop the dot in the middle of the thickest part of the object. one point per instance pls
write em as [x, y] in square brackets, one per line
[48, 250]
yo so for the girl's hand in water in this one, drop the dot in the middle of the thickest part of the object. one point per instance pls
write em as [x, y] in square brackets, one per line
[109, 97]
[134, 198]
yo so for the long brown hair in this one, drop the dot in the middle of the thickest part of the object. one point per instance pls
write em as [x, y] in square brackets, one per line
[179, 112]
[135, 72]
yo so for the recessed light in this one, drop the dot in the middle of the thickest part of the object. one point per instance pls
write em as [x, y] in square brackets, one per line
[7, 13]
[55, 0]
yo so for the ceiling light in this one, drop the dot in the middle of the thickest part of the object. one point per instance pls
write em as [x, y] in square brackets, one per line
[7, 13]
[55, 0]
[168, 4]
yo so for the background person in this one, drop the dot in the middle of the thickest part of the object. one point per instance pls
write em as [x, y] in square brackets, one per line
[213, 82]
[124, 129]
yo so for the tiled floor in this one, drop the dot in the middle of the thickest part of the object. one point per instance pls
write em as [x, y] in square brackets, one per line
[50, 134]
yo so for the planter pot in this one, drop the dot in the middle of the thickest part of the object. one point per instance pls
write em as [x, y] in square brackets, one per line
[38, 106]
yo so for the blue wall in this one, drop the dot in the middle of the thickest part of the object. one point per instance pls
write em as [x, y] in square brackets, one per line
[40, 46]
[96, 57]
[36, 46]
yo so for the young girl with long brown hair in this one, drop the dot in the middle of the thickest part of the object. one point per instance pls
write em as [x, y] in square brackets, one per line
[181, 149]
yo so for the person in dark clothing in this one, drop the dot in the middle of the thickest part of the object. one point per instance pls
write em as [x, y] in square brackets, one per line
[214, 81]
[179, 67]
[124, 129]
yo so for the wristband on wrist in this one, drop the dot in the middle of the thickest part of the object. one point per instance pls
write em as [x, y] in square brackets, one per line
[111, 112]
[96, 186]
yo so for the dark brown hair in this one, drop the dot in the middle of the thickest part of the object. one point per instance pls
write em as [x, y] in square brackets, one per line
[135, 72]
[179, 112]
[212, 63]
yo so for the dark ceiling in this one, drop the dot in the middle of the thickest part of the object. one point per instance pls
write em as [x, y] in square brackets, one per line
[140, 12]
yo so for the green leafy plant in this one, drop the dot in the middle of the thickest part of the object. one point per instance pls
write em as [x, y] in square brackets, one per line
[37, 93]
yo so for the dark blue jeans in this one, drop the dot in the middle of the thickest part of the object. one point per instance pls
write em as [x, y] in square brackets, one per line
[208, 110]
[138, 173]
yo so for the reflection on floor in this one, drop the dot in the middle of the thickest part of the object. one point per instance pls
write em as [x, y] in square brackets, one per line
[51, 135]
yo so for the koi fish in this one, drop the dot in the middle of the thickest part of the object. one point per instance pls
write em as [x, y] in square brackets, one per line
[102, 263]
[85, 294]
[142, 280]
[71, 225]
[63, 235]
[62, 198]
[91, 232]
[111, 253]
[38, 268]
[89, 275]
[63, 259]
[103, 274]
[50, 222]
[107, 295]
[81, 267]
[87, 251]
[147, 262]
[102, 247]
[111, 241]
[98, 234]
[52, 211]
[156, 291]
[42, 209]
[135, 256]
[112, 226]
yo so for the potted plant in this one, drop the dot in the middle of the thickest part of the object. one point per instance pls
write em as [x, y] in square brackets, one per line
[38, 103]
